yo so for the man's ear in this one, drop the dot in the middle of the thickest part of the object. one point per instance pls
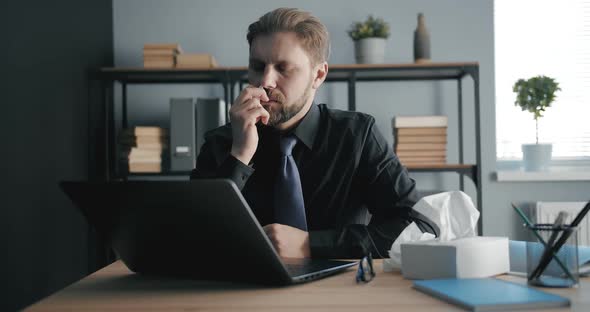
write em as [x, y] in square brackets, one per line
[320, 73]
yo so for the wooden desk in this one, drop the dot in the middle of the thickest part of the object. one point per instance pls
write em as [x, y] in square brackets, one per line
[116, 288]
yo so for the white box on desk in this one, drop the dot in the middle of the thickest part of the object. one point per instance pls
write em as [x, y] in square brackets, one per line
[471, 257]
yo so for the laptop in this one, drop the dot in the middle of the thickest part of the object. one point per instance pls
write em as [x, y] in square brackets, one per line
[201, 229]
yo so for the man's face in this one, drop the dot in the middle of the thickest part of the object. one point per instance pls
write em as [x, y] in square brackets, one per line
[279, 64]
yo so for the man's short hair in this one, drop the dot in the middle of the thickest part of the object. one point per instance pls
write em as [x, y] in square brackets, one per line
[309, 29]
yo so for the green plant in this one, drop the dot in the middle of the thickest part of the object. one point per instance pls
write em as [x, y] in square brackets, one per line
[535, 95]
[371, 28]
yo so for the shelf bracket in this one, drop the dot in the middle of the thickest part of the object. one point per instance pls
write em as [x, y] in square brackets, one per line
[352, 92]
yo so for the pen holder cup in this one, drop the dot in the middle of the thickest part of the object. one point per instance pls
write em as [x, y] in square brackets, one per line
[552, 261]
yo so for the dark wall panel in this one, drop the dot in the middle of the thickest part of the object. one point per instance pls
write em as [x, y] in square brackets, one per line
[46, 51]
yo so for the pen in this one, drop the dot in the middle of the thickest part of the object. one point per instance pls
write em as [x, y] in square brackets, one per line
[565, 237]
[530, 226]
[547, 252]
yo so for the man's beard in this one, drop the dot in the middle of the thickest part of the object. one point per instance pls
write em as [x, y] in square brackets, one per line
[284, 112]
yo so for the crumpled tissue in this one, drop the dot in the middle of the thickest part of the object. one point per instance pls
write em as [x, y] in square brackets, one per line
[454, 214]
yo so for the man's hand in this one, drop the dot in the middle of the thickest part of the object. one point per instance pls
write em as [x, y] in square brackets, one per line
[245, 112]
[289, 242]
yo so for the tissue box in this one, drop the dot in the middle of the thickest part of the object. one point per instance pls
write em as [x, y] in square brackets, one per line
[472, 257]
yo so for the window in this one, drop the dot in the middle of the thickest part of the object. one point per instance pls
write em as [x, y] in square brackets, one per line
[551, 38]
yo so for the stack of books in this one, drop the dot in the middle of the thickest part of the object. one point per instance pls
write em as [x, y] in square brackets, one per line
[195, 60]
[143, 148]
[160, 55]
[420, 140]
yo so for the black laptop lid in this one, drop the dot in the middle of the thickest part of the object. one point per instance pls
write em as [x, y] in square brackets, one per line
[200, 229]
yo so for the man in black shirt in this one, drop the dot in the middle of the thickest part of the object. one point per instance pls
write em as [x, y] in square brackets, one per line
[347, 173]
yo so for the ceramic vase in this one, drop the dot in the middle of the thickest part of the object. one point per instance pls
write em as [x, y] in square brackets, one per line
[421, 41]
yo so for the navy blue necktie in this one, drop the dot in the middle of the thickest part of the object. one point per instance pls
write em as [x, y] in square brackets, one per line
[289, 205]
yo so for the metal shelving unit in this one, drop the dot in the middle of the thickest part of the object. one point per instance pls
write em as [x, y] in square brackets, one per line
[102, 132]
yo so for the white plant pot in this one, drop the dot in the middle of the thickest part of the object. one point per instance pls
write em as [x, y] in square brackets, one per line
[370, 51]
[536, 157]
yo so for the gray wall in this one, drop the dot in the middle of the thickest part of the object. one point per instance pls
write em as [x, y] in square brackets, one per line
[460, 30]
[47, 50]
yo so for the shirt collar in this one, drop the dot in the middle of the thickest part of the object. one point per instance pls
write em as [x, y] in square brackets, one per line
[307, 129]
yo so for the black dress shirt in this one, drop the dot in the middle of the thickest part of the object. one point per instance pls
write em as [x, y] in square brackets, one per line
[349, 175]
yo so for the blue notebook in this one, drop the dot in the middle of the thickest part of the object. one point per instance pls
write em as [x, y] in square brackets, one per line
[489, 294]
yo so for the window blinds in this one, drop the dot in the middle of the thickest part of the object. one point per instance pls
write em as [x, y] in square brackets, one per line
[551, 38]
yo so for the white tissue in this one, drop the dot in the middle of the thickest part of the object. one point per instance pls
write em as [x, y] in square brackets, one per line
[410, 234]
[454, 214]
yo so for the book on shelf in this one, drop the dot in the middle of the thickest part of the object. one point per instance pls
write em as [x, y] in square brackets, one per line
[420, 146]
[159, 53]
[419, 121]
[421, 153]
[423, 161]
[138, 152]
[195, 60]
[141, 140]
[163, 46]
[144, 162]
[424, 164]
[151, 145]
[158, 63]
[158, 59]
[145, 159]
[145, 131]
[142, 147]
[421, 158]
[420, 131]
[144, 143]
[421, 139]
[146, 167]
[149, 139]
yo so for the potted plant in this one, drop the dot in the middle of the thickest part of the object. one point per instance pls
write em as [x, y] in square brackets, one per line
[535, 95]
[369, 40]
